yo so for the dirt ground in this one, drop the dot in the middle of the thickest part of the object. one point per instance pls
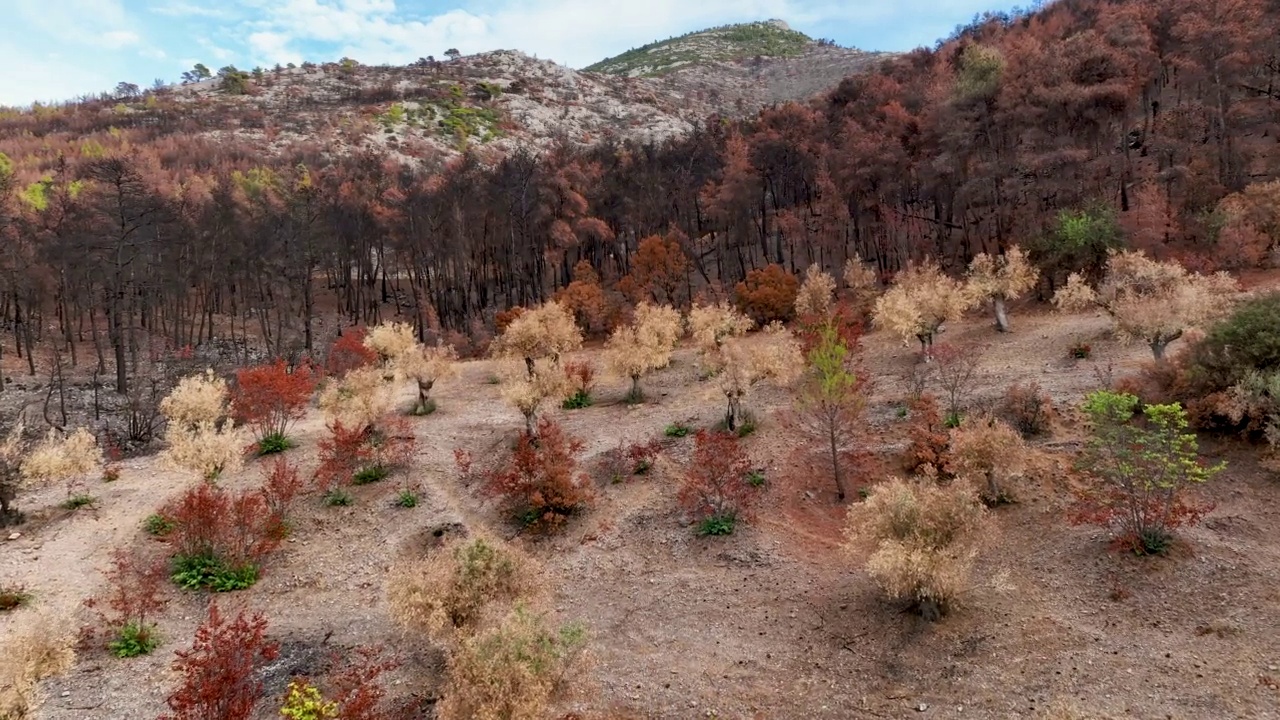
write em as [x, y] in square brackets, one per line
[776, 621]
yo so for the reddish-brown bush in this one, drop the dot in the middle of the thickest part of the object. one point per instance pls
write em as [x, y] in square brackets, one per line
[352, 456]
[134, 595]
[541, 481]
[355, 682]
[624, 461]
[659, 270]
[768, 294]
[1027, 408]
[585, 298]
[505, 317]
[928, 437]
[238, 529]
[270, 397]
[348, 352]
[715, 490]
[844, 318]
[281, 485]
[218, 672]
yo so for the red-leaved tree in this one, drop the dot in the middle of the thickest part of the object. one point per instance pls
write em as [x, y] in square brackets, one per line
[218, 672]
[269, 398]
[133, 597]
[541, 481]
[361, 455]
[222, 530]
[348, 352]
[716, 491]
[768, 294]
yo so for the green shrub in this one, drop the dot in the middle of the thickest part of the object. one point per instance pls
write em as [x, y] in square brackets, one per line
[952, 420]
[337, 498]
[211, 573]
[677, 430]
[274, 443]
[1247, 340]
[304, 702]
[13, 597]
[368, 475]
[75, 502]
[134, 640]
[158, 525]
[577, 401]
[718, 524]
[407, 499]
[756, 478]
[424, 408]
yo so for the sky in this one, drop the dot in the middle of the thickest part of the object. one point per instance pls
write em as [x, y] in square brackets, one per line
[59, 49]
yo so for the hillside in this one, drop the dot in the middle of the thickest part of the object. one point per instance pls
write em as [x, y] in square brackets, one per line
[771, 38]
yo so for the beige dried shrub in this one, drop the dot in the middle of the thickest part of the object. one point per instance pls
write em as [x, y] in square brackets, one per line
[196, 399]
[512, 671]
[1001, 279]
[743, 362]
[711, 325]
[391, 340]
[921, 300]
[12, 451]
[862, 282]
[991, 450]
[425, 366]
[357, 400]
[925, 538]
[527, 387]
[644, 345]
[37, 647]
[63, 457]
[1155, 302]
[448, 594]
[548, 331]
[816, 292]
[209, 449]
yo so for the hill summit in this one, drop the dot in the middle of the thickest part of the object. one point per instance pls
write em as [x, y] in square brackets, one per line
[727, 43]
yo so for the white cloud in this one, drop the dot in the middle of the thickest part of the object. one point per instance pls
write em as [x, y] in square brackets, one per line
[116, 39]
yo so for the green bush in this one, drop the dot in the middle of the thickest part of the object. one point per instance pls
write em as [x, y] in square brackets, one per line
[369, 475]
[677, 430]
[274, 443]
[424, 409]
[134, 640]
[211, 573]
[158, 525]
[756, 478]
[1247, 340]
[337, 498]
[75, 502]
[407, 499]
[718, 524]
[13, 597]
[579, 400]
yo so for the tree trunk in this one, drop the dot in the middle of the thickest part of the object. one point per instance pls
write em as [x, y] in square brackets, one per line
[635, 394]
[1002, 315]
[731, 414]
[528, 424]
[835, 464]
[122, 367]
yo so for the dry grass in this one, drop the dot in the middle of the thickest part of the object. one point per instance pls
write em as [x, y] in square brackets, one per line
[38, 648]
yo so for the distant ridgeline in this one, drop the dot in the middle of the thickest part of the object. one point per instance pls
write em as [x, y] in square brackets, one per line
[770, 38]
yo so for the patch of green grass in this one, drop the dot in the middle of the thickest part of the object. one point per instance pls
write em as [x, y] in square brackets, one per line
[952, 420]
[369, 475]
[424, 409]
[755, 478]
[337, 498]
[134, 639]
[718, 524]
[274, 443]
[158, 525]
[407, 499]
[677, 430]
[579, 400]
[75, 502]
[207, 572]
[902, 412]
[13, 597]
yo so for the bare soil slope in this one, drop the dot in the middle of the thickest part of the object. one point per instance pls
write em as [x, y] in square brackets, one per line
[776, 621]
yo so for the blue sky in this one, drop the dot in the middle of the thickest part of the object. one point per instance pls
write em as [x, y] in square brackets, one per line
[58, 49]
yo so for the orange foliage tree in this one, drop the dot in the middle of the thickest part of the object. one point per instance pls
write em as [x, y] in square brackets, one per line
[659, 269]
[585, 298]
[348, 352]
[541, 482]
[269, 398]
[768, 294]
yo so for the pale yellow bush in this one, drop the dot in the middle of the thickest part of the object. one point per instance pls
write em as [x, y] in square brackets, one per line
[862, 282]
[358, 399]
[1156, 302]
[196, 399]
[921, 300]
[988, 449]
[548, 331]
[512, 671]
[527, 387]
[209, 449]
[925, 536]
[391, 340]
[711, 325]
[448, 594]
[773, 355]
[1000, 279]
[37, 648]
[816, 292]
[425, 366]
[62, 457]
[643, 346]
[12, 451]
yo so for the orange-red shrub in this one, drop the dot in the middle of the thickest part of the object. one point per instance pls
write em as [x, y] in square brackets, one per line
[134, 595]
[716, 484]
[218, 672]
[768, 294]
[505, 318]
[1027, 408]
[541, 481]
[270, 397]
[238, 529]
[349, 452]
[348, 352]
[929, 442]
